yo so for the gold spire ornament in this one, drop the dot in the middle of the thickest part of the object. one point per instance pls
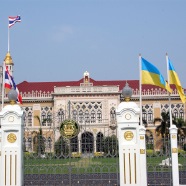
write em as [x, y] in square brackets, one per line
[8, 59]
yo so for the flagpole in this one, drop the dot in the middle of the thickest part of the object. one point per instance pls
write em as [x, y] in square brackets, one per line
[8, 38]
[170, 112]
[3, 79]
[140, 88]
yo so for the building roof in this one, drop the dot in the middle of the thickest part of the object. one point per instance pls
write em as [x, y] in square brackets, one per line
[26, 87]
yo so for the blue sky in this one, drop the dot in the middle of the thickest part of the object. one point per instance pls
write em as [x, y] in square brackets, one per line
[58, 40]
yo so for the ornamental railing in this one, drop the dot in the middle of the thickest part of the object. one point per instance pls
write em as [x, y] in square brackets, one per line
[96, 90]
[86, 89]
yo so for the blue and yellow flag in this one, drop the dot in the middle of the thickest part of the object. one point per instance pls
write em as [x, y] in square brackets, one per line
[174, 79]
[151, 75]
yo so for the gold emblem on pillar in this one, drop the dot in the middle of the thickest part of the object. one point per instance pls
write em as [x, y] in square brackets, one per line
[11, 138]
[142, 151]
[128, 135]
[173, 136]
[174, 150]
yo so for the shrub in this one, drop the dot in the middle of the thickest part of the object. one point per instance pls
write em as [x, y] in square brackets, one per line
[98, 154]
[150, 152]
[76, 154]
[184, 147]
[181, 152]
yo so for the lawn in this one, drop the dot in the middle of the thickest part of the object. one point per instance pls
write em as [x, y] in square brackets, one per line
[89, 165]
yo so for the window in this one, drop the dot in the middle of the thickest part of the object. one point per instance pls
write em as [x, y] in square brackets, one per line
[181, 114]
[27, 116]
[175, 113]
[144, 116]
[87, 119]
[43, 118]
[150, 117]
[29, 119]
[81, 116]
[49, 118]
[61, 115]
[99, 116]
[93, 116]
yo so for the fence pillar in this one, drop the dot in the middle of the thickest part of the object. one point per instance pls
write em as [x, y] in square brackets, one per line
[174, 155]
[132, 148]
[0, 157]
[11, 160]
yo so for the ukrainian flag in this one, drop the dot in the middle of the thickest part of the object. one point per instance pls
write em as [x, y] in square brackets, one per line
[151, 75]
[174, 79]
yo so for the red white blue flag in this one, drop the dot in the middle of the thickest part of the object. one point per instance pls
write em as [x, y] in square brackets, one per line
[9, 84]
[13, 20]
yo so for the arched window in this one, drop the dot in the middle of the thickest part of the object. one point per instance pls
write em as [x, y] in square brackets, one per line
[30, 119]
[60, 115]
[87, 118]
[93, 116]
[144, 115]
[164, 111]
[74, 144]
[181, 114]
[43, 118]
[150, 116]
[175, 113]
[49, 119]
[99, 116]
[99, 142]
[87, 139]
[81, 116]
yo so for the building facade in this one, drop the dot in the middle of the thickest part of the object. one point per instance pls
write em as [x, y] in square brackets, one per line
[91, 103]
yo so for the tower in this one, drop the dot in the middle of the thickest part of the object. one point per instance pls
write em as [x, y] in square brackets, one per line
[9, 63]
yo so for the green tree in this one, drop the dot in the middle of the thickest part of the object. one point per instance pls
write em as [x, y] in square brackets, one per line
[61, 148]
[163, 128]
[179, 122]
[39, 144]
[110, 146]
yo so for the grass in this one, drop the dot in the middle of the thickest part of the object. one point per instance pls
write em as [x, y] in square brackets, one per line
[89, 165]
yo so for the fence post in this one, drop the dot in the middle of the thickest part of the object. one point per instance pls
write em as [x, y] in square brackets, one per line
[0, 158]
[174, 155]
[143, 156]
[11, 160]
[132, 151]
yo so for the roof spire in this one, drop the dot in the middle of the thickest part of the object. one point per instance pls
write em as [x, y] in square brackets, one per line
[8, 59]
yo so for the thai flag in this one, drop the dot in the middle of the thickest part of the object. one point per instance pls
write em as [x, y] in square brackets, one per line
[9, 83]
[13, 20]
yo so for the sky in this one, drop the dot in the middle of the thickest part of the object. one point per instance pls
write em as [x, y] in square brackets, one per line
[58, 40]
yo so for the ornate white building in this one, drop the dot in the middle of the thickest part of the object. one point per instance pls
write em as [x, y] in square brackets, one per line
[92, 103]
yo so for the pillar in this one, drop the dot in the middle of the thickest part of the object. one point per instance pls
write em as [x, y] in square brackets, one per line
[11, 159]
[174, 155]
[132, 149]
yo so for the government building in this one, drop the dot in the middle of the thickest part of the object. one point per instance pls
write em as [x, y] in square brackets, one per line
[92, 104]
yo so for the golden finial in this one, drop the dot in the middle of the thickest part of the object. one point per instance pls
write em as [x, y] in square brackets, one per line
[8, 59]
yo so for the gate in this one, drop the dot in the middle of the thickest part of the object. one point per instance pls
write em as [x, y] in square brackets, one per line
[159, 163]
[159, 169]
[91, 158]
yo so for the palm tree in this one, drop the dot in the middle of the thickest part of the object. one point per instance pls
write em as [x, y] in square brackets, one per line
[163, 128]
[179, 122]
